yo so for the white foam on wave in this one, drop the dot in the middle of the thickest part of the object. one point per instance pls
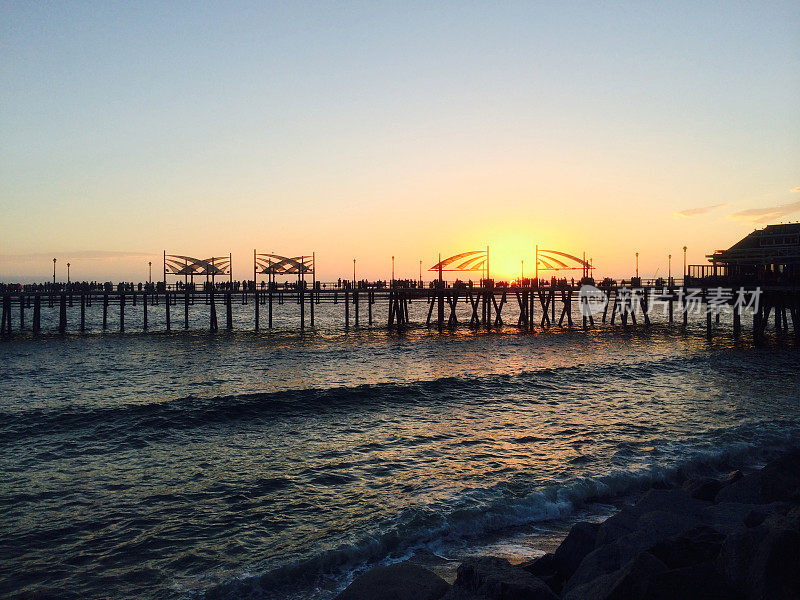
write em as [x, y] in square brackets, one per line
[463, 521]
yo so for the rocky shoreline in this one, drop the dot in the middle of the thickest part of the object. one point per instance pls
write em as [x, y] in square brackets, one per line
[734, 538]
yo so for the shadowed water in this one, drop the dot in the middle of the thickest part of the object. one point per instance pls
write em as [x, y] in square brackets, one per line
[276, 464]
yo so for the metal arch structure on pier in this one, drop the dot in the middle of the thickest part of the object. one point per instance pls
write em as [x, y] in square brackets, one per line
[275, 264]
[188, 266]
[272, 265]
[556, 260]
[474, 260]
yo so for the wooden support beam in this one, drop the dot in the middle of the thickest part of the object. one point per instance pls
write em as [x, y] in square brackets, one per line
[83, 312]
[737, 321]
[212, 312]
[186, 309]
[166, 310]
[105, 312]
[645, 306]
[144, 311]
[684, 307]
[62, 314]
[355, 306]
[301, 298]
[347, 310]
[440, 306]
[4, 316]
[269, 307]
[498, 308]
[563, 308]
[544, 300]
[256, 307]
[452, 300]
[122, 313]
[229, 310]
[37, 314]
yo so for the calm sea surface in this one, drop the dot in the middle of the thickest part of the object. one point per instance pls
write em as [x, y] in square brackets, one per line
[278, 465]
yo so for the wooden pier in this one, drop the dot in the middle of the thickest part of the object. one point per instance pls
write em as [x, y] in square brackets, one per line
[538, 308]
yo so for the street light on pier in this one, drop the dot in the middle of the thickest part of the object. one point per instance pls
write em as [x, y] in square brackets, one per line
[68, 273]
[150, 272]
[354, 273]
[420, 273]
[393, 270]
[684, 262]
[669, 268]
[637, 265]
[54, 271]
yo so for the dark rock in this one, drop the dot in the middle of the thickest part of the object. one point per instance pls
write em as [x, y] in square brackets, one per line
[732, 477]
[579, 542]
[699, 545]
[490, 578]
[548, 569]
[702, 488]
[675, 501]
[661, 484]
[644, 532]
[617, 525]
[746, 490]
[695, 582]
[729, 517]
[763, 562]
[401, 581]
[780, 479]
[629, 582]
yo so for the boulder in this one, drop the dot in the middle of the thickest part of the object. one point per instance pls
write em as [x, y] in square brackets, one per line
[763, 562]
[746, 490]
[648, 529]
[548, 569]
[780, 479]
[675, 501]
[694, 582]
[491, 578]
[732, 477]
[729, 517]
[400, 581]
[629, 582]
[702, 488]
[579, 542]
[699, 545]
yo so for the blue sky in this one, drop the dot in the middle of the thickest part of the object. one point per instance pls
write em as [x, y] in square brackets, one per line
[372, 129]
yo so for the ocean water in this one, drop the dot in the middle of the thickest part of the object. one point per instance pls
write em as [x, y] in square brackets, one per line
[276, 465]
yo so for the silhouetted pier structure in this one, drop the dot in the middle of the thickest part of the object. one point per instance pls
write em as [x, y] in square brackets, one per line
[537, 307]
[759, 275]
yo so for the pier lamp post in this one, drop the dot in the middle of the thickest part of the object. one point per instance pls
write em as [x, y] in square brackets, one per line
[393, 270]
[684, 262]
[669, 269]
[420, 273]
[54, 271]
[150, 271]
[354, 273]
[68, 273]
[637, 265]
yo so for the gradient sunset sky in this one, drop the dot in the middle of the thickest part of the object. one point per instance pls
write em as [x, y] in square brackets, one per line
[392, 128]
